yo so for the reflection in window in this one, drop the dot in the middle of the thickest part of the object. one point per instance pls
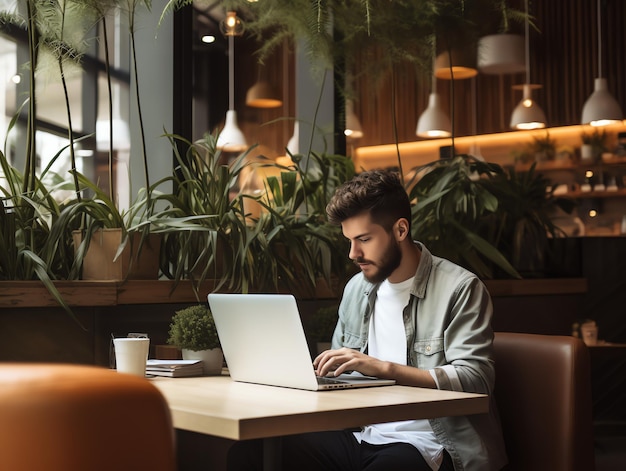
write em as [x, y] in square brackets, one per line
[89, 107]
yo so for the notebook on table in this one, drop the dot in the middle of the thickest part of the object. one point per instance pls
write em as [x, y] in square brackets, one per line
[263, 342]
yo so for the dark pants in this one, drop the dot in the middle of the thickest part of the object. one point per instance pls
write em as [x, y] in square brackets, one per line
[333, 451]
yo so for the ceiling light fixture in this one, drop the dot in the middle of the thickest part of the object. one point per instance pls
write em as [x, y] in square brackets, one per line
[528, 114]
[353, 128]
[231, 139]
[456, 64]
[433, 122]
[601, 109]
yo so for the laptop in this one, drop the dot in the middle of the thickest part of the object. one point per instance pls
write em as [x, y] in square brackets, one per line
[264, 343]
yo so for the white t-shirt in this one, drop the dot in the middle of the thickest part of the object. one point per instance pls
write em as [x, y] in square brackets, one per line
[387, 341]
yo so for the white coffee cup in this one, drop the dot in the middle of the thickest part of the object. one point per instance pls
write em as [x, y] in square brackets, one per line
[131, 355]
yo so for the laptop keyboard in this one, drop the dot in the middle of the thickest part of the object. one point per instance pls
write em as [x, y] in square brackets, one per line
[325, 380]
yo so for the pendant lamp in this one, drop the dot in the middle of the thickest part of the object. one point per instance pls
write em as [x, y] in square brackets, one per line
[501, 54]
[262, 94]
[353, 128]
[528, 114]
[293, 146]
[456, 64]
[433, 122]
[231, 139]
[601, 108]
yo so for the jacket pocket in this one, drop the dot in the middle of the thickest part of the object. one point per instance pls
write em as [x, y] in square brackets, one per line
[429, 353]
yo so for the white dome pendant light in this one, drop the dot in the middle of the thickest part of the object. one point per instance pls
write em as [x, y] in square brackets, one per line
[528, 114]
[231, 139]
[601, 109]
[433, 122]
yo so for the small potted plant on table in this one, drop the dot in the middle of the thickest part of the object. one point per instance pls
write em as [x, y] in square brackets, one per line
[193, 331]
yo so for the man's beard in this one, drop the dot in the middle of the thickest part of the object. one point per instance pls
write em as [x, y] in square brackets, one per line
[388, 263]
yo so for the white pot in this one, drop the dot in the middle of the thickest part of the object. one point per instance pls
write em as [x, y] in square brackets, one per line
[212, 360]
[586, 152]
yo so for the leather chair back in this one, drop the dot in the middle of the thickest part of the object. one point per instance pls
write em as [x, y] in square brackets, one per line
[77, 418]
[543, 393]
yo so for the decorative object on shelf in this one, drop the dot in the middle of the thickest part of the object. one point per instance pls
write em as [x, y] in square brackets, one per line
[527, 114]
[593, 145]
[587, 330]
[543, 148]
[601, 108]
[193, 331]
[231, 139]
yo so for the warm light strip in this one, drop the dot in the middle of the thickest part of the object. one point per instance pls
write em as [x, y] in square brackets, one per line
[493, 147]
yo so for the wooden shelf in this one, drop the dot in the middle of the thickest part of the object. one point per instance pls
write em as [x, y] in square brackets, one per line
[27, 294]
[594, 194]
[18, 294]
[548, 165]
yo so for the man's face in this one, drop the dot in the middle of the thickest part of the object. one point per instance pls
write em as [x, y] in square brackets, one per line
[372, 248]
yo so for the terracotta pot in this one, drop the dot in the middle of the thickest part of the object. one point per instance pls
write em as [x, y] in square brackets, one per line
[100, 263]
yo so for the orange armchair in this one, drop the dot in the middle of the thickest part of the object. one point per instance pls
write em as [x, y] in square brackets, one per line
[76, 418]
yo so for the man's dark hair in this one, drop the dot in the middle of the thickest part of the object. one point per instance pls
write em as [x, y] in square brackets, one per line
[378, 191]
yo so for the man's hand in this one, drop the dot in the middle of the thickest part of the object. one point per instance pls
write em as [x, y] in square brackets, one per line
[336, 362]
[339, 361]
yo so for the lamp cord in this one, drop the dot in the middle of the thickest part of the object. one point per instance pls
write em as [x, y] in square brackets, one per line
[231, 72]
[527, 45]
[599, 19]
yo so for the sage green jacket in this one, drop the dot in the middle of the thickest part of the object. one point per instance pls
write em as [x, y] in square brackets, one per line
[448, 331]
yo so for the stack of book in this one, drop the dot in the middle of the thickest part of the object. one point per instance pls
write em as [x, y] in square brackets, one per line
[174, 368]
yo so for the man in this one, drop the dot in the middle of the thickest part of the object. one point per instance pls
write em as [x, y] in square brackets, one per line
[412, 317]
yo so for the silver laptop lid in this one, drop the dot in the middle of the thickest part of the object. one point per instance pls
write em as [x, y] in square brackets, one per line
[263, 339]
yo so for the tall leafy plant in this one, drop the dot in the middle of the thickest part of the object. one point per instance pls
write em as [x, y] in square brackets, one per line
[213, 241]
[493, 221]
[452, 200]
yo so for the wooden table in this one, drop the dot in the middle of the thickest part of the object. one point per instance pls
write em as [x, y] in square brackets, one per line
[224, 408]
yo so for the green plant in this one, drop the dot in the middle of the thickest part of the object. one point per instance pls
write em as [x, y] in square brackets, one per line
[193, 328]
[493, 222]
[597, 140]
[544, 146]
[452, 200]
[215, 240]
[522, 226]
[27, 219]
[302, 246]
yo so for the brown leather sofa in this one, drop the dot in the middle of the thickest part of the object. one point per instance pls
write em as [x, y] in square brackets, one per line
[82, 418]
[543, 392]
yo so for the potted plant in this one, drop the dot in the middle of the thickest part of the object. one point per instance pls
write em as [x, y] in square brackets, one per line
[593, 145]
[543, 148]
[193, 331]
[305, 250]
[492, 221]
